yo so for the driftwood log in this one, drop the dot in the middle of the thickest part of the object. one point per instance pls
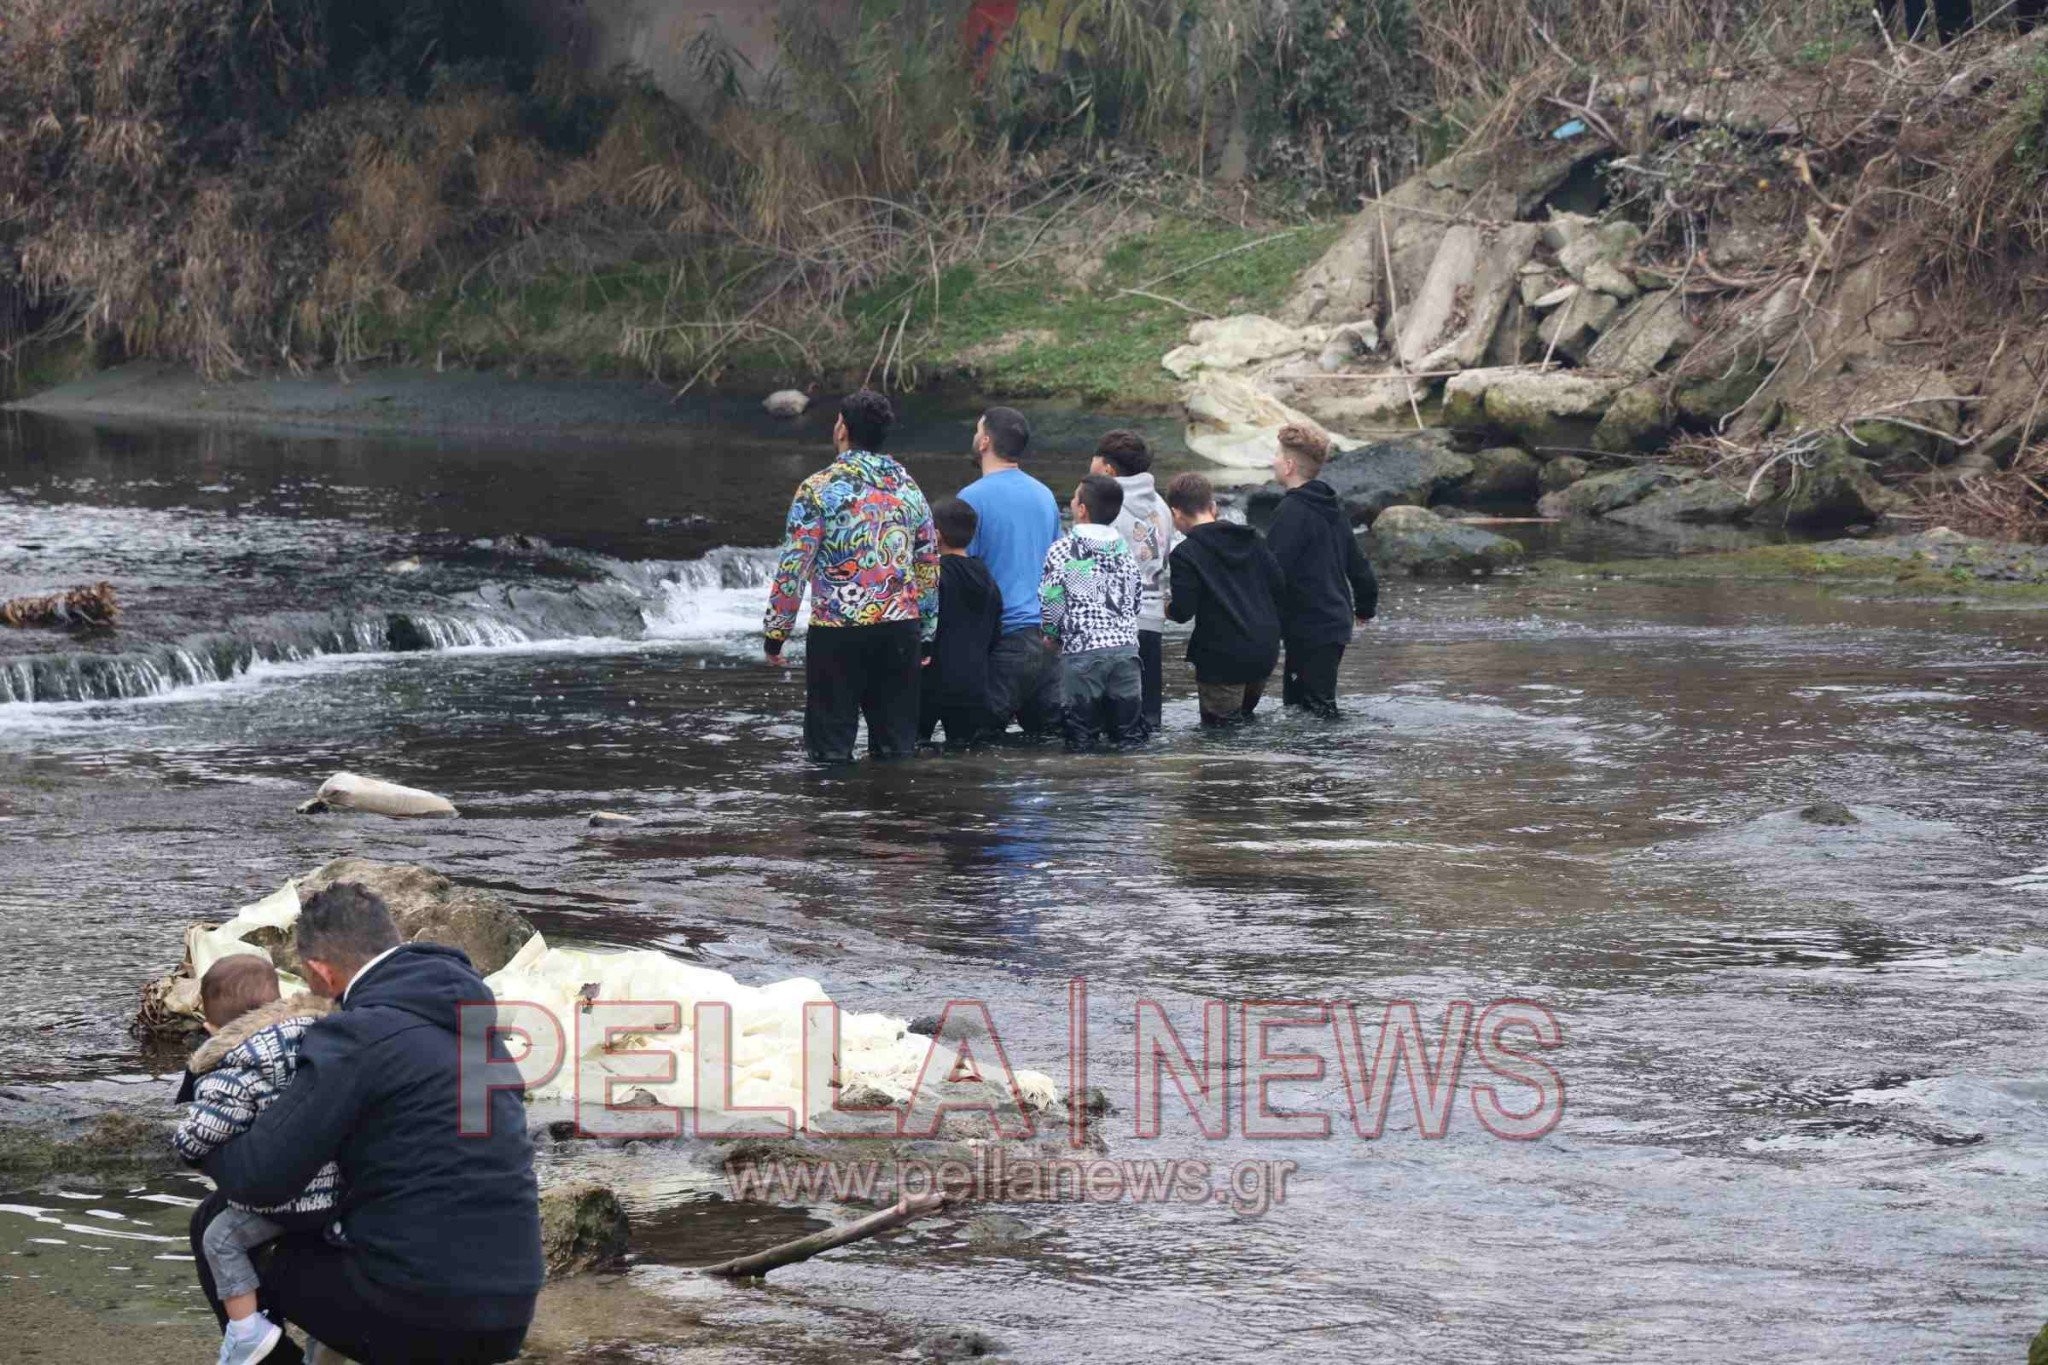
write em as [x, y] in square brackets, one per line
[88, 606]
[903, 1211]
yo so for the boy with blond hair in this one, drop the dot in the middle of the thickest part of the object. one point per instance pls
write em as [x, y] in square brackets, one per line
[1330, 583]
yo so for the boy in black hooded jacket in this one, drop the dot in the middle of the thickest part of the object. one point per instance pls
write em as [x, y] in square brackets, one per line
[1330, 582]
[956, 664]
[1225, 580]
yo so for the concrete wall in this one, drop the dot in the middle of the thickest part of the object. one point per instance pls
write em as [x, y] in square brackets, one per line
[654, 36]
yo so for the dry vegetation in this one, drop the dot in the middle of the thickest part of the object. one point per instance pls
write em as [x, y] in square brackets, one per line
[211, 180]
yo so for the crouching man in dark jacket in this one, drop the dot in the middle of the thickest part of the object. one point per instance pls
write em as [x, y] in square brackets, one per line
[436, 1254]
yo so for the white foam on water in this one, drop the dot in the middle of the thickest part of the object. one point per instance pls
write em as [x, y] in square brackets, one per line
[716, 601]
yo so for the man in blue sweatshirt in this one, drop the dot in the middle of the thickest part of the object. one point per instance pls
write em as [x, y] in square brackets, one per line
[1019, 521]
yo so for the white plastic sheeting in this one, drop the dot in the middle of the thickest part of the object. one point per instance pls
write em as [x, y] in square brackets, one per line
[876, 1051]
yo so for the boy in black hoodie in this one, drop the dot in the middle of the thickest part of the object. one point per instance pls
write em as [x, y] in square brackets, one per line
[1225, 580]
[1330, 583]
[955, 680]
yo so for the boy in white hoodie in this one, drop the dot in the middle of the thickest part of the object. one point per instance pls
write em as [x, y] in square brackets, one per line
[1147, 527]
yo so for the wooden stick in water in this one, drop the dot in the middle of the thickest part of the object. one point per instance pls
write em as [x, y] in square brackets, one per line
[904, 1210]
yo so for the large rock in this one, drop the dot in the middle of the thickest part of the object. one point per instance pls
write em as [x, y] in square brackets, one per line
[428, 908]
[1562, 471]
[1634, 421]
[1427, 545]
[1704, 502]
[1644, 336]
[1406, 470]
[1502, 476]
[1573, 329]
[1594, 254]
[1604, 493]
[1535, 408]
[582, 1228]
[1705, 401]
[1451, 322]
[1837, 490]
[1504, 182]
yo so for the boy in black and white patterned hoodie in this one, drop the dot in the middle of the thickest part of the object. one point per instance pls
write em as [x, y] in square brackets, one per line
[247, 1063]
[1088, 601]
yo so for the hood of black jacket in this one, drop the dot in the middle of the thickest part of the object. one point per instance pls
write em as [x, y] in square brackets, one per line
[971, 579]
[1321, 499]
[1231, 542]
[427, 980]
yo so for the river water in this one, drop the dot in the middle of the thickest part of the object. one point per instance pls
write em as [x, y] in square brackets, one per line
[1804, 1111]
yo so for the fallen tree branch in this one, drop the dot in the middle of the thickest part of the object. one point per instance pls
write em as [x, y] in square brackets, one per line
[903, 1211]
[88, 606]
[1161, 298]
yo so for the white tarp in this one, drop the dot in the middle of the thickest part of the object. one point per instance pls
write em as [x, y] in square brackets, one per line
[876, 1051]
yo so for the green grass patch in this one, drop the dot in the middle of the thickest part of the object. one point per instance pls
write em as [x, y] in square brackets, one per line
[1072, 330]
[1093, 330]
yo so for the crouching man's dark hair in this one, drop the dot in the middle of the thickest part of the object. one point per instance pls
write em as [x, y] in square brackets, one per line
[346, 925]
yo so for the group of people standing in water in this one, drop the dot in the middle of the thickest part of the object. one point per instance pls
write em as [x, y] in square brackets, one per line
[979, 610]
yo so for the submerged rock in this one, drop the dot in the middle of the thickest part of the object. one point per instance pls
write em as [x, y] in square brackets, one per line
[45, 1139]
[582, 1228]
[959, 1343]
[786, 403]
[1828, 813]
[952, 1028]
[1425, 544]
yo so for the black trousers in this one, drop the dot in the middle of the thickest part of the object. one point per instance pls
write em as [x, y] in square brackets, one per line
[1150, 674]
[1309, 679]
[856, 671]
[964, 724]
[1025, 681]
[320, 1289]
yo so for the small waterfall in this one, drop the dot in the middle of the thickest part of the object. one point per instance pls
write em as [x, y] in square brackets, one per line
[718, 596]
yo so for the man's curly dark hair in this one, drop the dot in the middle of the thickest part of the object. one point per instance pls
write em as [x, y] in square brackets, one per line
[868, 417]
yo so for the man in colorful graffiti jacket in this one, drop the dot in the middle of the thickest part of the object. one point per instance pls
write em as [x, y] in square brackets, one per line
[860, 538]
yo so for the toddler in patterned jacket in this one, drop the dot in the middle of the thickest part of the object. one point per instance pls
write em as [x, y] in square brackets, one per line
[1088, 601]
[246, 1064]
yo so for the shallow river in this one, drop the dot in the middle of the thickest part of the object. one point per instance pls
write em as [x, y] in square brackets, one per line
[1804, 1115]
